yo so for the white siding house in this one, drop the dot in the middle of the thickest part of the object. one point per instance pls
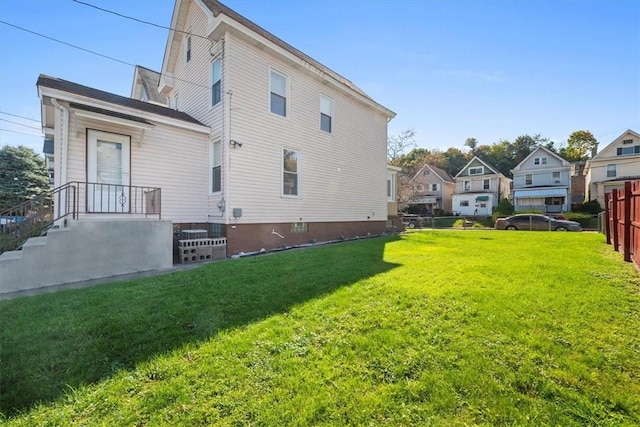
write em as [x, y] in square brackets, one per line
[614, 165]
[246, 136]
[479, 189]
[542, 181]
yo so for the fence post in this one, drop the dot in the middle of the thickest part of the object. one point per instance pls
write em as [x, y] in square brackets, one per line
[614, 219]
[627, 222]
[607, 217]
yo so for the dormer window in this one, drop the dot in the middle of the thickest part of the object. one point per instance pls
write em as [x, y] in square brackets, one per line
[628, 151]
[479, 170]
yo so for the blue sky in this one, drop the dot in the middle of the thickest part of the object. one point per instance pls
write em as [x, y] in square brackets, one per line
[454, 69]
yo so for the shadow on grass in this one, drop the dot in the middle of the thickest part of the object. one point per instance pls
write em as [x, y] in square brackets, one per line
[51, 342]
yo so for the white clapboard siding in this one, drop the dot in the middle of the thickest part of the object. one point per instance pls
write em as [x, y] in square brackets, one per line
[343, 174]
[164, 157]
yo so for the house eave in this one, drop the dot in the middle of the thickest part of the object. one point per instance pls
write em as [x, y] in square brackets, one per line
[79, 99]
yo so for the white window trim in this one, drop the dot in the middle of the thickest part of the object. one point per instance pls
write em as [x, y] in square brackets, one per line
[211, 105]
[215, 140]
[525, 178]
[606, 170]
[188, 49]
[392, 187]
[476, 167]
[466, 187]
[287, 110]
[437, 187]
[483, 181]
[331, 115]
[298, 174]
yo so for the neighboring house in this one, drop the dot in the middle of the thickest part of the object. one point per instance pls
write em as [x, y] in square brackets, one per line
[246, 136]
[542, 182]
[614, 165]
[431, 188]
[47, 150]
[479, 189]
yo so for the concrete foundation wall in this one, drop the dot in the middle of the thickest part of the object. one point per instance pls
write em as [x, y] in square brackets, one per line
[87, 250]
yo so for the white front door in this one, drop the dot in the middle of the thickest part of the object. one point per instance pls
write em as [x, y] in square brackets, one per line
[108, 162]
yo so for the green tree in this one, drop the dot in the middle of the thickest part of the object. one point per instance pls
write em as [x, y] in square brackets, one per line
[23, 175]
[472, 143]
[580, 145]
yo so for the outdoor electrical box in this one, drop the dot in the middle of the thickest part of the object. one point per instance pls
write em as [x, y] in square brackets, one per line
[237, 212]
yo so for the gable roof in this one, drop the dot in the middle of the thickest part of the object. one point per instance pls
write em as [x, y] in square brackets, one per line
[149, 80]
[481, 161]
[615, 141]
[440, 173]
[547, 151]
[216, 8]
[111, 98]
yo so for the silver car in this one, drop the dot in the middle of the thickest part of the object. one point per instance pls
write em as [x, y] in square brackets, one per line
[536, 222]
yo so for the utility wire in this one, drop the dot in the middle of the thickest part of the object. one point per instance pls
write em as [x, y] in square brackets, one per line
[153, 24]
[92, 52]
[19, 124]
[67, 44]
[21, 117]
[21, 133]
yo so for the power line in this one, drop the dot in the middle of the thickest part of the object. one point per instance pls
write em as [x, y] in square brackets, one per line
[19, 124]
[153, 24]
[91, 51]
[21, 133]
[21, 117]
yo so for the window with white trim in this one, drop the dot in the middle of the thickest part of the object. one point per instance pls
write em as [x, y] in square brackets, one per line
[434, 187]
[464, 203]
[216, 82]
[216, 167]
[528, 179]
[326, 113]
[612, 171]
[478, 170]
[391, 188]
[278, 93]
[540, 161]
[628, 151]
[467, 185]
[486, 184]
[187, 48]
[556, 177]
[290, 172]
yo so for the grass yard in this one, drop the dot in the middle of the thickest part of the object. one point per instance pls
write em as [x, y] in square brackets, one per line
[429, 328]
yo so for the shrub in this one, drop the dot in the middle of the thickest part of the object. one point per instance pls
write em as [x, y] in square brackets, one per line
[586, 220]
[592, 207]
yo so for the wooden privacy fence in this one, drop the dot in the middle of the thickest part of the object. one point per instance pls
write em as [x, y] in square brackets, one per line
[622, 221]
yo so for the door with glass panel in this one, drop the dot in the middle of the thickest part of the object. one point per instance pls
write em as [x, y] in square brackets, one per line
[108, 163]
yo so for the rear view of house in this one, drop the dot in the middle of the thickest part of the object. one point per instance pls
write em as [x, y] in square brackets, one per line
[240, 136]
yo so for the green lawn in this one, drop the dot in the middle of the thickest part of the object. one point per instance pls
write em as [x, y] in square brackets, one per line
[430, 328]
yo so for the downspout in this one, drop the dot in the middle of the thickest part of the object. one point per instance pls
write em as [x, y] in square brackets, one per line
[63, 127]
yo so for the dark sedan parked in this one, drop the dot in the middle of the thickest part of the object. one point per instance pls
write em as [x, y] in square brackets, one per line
[536, 222]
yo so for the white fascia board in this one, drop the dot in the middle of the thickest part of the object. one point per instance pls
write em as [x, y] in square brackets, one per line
[173, 35]
[112, 119]
[223, 23]
[65, 96]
